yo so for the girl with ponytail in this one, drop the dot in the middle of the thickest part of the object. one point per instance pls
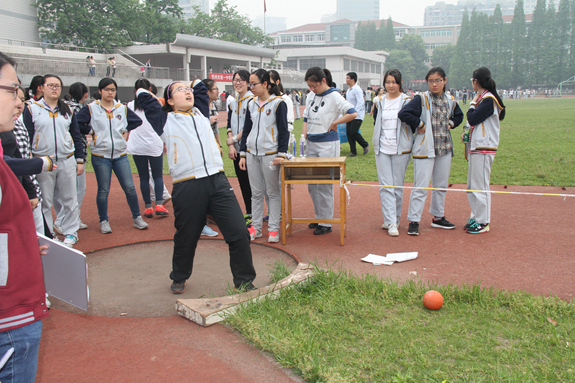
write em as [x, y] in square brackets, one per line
[323, 108]
[263, 146]
[484, 114]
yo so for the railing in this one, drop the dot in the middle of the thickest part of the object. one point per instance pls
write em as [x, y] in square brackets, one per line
[126, 55]
[75, 68]
[43, 45]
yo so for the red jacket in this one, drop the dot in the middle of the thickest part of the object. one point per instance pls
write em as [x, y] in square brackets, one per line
[22, 293]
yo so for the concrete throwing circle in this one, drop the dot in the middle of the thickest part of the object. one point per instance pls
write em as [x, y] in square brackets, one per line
[133, 280]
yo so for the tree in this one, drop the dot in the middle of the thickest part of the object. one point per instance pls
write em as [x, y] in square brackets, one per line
[564, 33]
[366, 37]
[415, 46]
[460, 67]
[501, 45]
[225, 23]
[402, 60]
[537, 43]
[387, 35]
[156, 21]
[518, 35]
[442, 57]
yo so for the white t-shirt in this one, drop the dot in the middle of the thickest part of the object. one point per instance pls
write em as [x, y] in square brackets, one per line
[144, 141]
[321, 111]
[388, 140]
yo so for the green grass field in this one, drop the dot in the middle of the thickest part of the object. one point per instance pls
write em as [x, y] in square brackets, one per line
[536, 148]
[339, 328]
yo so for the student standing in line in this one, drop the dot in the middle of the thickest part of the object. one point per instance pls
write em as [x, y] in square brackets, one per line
[213, 93]
[34, 92]
[432, 115]
[236, 119]
[107, 121]
[296, 103]
[355, 97]
[275, 77]
[392, 142]
[324, 106]
[263, 146]
[200, 185]
[147, 148]
[78, 95]
[484, 114]
[53, 131]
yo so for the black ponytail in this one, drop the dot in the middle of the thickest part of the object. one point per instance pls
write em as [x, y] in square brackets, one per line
[275, 76]
[483, 77]
[62, 106]
[264, 76]
[141, 83]
[33, 88]
[316, 74]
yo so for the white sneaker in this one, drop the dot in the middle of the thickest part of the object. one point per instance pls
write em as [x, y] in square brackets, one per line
[385, 226]
[70, 240]
[58, 229]
[105, 227]
[207, 231]
[274, 236]
[139, 223]
[392, 230]
[83, 226]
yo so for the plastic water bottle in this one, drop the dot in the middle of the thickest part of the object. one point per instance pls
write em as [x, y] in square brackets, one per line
[294, 143]
[302, 146]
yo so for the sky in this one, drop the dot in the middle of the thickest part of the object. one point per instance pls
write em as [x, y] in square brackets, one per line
[300, 12]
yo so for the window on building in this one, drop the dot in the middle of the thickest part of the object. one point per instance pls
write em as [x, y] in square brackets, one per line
[309, 37]
[318, 62]
[291, 63]
[373, 70]
[305, 64]
[286, 39]
[298, 38]
[353, 65]
[321, 37]
[346, 64]
[340, 32]
[360, 66]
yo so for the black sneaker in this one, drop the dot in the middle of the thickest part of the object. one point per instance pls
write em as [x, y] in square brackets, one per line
[442, 224]
[313, 225]
[321, 230]
[366, 150]
[245, 287]
[413, 228]
[469, 223]
[178, 288]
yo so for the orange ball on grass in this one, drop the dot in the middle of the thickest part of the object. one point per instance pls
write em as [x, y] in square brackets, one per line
[432, 300]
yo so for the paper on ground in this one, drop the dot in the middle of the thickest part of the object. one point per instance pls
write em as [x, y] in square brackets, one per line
[390, 258]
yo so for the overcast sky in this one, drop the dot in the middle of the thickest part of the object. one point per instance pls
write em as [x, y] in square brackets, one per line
[300, 12]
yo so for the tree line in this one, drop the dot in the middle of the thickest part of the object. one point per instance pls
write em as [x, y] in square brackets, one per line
[539, 56]
[105, 24]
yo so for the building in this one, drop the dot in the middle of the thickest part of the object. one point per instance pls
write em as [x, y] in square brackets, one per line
[369, 66]
[452, 14]
[188, 6]
[272, 24]
[357, 10]
[19, 20]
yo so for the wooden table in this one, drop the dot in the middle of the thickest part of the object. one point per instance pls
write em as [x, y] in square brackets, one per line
[312, 170]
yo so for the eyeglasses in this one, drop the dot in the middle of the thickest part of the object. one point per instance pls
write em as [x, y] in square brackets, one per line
[52, 86]
[438, 81]
[11, 89]
[253, 84]
[183, 89]
[239, 81]
[216, 89]
[109, 90]
[472, 79]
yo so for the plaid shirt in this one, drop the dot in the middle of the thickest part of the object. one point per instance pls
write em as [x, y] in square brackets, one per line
[21, 134]
[440, 124]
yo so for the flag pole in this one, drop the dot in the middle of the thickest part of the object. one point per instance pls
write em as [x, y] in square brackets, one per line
[265, 17]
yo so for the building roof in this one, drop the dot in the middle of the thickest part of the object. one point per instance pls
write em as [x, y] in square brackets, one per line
[378, 23]
[303, 28]
[190, 41]
[509, 18]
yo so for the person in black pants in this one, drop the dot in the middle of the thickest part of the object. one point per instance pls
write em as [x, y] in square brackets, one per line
[355, 97]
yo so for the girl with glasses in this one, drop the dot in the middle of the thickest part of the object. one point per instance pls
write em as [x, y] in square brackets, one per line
[53, 131]
[431, 116]
[236, 118]
[263, 146]
[108, 120]
[200, 185]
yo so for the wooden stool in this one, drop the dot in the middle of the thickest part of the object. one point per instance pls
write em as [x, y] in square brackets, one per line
[312, 170]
